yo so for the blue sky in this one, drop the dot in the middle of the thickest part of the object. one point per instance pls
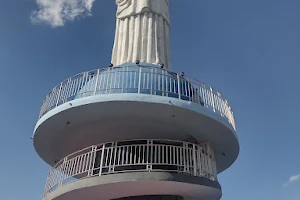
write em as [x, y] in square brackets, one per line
[249, 50]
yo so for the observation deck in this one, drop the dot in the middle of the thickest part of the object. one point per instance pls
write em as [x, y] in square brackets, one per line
[131, 102]
[177, 168]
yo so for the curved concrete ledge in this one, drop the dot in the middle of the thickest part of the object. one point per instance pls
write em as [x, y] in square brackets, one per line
[137, 184]
[135, 98]
[104, 118]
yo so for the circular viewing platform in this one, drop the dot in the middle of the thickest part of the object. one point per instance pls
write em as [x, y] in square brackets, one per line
[135, 157]
[138, 79]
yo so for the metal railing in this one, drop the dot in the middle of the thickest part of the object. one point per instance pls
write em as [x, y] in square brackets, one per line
[133, 156]
[141, 80]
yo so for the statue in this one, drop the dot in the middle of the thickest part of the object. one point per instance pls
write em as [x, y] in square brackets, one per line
[142, 32]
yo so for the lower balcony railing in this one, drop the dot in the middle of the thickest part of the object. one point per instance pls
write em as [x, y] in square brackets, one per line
[140, 80]
[134, 156]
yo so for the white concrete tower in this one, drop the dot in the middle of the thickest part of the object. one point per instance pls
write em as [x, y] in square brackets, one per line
[136, 130]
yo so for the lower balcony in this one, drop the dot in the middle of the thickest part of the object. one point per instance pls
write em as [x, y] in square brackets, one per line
[136, 168]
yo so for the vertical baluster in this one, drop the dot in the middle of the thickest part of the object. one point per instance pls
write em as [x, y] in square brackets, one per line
[151, 81]
[115, 148]
[130, 80]
[82, 157]
[162, 154]
[184, 157]
[159, 154]
[69, 172]
[75, 87]
[178, 85]
[167, 83]
[101, 81]
[139, 84]
[96, 82]
[155, 154]
[135, 154]
[181, 151]
[73, 81]
[189, 89]
[173, 90]
[139, 154]
[86, 162]
[77, 165]
[80, 91]
[69, 90]
[194, 160]
[119, 155]
[123, 155]
[95, 151]
[107, 74]
[134, 80]
[115, 80]
[91, 161]
[65, 91]
[130, 155]
[124, 74]
[58, 96]
[101, 160]
[144, 81]
[212, 99]
[111, 158]
[189, 159]
[148, 80]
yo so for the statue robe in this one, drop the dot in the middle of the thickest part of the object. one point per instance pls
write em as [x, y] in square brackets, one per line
[142, 32]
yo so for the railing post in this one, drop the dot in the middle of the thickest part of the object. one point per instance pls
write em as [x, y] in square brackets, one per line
[190, 89]
[184, 149]
[101, 161]
[107, 79]
[168, 87]
[178, 86]
[149, 155]
[212, 99]
[114, 148]
[194, 160]
[58, 96]
[96, 83]
[162, 83]
[140, 77]
[92, 162]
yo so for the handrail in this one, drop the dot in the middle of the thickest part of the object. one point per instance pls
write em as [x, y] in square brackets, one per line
[134, 156]
[141, 80]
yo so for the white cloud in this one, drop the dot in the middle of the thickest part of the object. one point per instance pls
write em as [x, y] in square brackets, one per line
[292, 179]
[57, 12]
